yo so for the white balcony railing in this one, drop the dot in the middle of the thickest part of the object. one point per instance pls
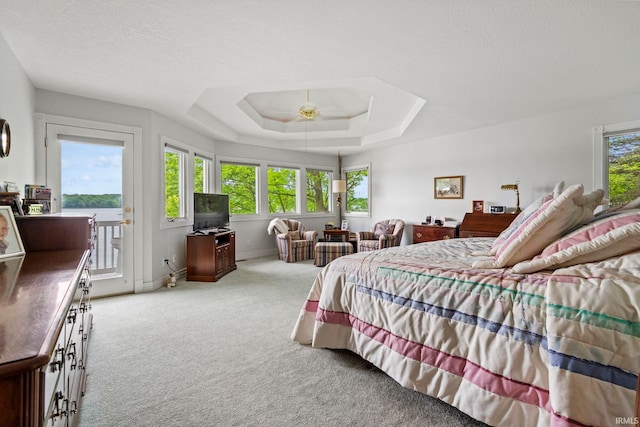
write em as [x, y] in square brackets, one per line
[106, 254]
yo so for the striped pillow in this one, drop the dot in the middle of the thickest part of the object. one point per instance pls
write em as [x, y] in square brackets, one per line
[595, 241]
[523, 216]
[545, 225]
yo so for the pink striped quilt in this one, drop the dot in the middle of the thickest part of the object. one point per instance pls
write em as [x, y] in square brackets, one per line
[556, 348]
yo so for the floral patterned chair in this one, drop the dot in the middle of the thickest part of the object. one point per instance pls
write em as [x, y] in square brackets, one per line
[295, 243]
[384, 234]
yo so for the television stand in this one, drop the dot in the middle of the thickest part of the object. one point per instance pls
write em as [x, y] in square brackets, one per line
[210, 256]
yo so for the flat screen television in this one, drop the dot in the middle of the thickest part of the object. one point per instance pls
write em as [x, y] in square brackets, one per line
[210, 211]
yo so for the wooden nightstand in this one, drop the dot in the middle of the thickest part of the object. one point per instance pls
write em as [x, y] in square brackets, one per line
[429, 233]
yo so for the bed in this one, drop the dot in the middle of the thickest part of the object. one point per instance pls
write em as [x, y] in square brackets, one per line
[551, 338]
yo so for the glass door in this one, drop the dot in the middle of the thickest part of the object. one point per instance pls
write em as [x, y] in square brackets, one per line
[90, 172]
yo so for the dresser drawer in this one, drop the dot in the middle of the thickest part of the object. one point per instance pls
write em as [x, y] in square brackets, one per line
[429, 233]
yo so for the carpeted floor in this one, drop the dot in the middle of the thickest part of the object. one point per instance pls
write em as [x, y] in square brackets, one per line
[220, 354]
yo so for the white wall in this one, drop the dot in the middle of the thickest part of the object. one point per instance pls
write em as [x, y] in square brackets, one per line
[16, 106]
[538, 152]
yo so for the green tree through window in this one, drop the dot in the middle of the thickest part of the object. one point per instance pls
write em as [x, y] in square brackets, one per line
[357, 190]
[282, 196]
[317, 191]
[624, 168]
[239, 182]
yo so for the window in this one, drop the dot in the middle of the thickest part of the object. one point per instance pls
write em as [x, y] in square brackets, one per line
[174, 182]
[623, 166]
[318, 190]
[358, 190]
[617, 161]
[239, 181]
[201, 173]
[282, 193]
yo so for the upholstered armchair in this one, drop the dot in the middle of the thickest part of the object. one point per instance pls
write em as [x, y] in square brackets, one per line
[295, 243]
[383, 234]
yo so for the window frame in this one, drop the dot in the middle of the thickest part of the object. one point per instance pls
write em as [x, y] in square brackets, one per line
[186, 180]
[219, 161]
[601, 151]
[355, 168]
[331, 208]
[262, 187]
[298, 196]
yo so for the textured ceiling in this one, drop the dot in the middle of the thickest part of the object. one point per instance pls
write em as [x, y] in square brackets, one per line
[428, 68]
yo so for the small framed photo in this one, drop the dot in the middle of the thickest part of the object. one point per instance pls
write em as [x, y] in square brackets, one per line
[345, 225]
[478, 206]
[10, 242]
[447, 187]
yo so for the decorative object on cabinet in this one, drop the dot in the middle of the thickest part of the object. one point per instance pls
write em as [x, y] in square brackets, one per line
[10, 241]
[484, 224]
[514, 187]
[429, 233]
[210, 256]
[383, 234]
[37, 199]
[12, 199]
[344, 225]
[478, 206]
[5, 138]
[498, 209]
[447, 187]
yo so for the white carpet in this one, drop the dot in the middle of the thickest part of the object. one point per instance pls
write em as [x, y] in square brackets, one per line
[220, 354]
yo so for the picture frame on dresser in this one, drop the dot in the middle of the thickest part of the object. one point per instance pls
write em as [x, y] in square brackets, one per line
[448, 187]
[10, 241]
[478, 206]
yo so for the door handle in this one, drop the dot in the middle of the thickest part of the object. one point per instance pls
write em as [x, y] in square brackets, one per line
[126, 221]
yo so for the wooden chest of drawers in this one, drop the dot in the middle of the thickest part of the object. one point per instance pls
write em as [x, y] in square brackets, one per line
[484, 224]
[429, 233]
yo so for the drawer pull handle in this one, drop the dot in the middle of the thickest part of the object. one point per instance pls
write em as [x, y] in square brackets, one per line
[419, 235]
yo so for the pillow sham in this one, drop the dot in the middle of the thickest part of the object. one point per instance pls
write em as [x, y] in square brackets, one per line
[595, 241]
[543, 226]
[522, 217]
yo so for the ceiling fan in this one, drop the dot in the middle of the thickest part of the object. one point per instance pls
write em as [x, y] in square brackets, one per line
[308, 111]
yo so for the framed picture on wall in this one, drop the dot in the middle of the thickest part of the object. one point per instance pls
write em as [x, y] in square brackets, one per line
[447, 187]
[10, 242]
[478, 206]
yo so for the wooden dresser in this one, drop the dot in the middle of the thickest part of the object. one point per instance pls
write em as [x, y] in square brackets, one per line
[45, 320]
[485, 224]
[429, 233]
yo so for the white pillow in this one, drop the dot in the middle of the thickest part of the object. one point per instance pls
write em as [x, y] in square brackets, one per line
[545, 225]
[600, 239]
[522, 217]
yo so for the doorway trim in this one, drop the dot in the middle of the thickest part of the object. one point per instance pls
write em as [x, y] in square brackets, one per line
[41, 122]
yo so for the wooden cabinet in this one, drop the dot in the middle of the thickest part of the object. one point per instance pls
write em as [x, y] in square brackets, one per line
[429, 233]
[45, 313]
[210, 256]
[485, 224]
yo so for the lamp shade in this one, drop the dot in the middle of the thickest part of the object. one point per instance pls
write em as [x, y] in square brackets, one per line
[339, 186]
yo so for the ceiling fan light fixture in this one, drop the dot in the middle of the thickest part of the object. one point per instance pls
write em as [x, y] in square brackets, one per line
[308, 111]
